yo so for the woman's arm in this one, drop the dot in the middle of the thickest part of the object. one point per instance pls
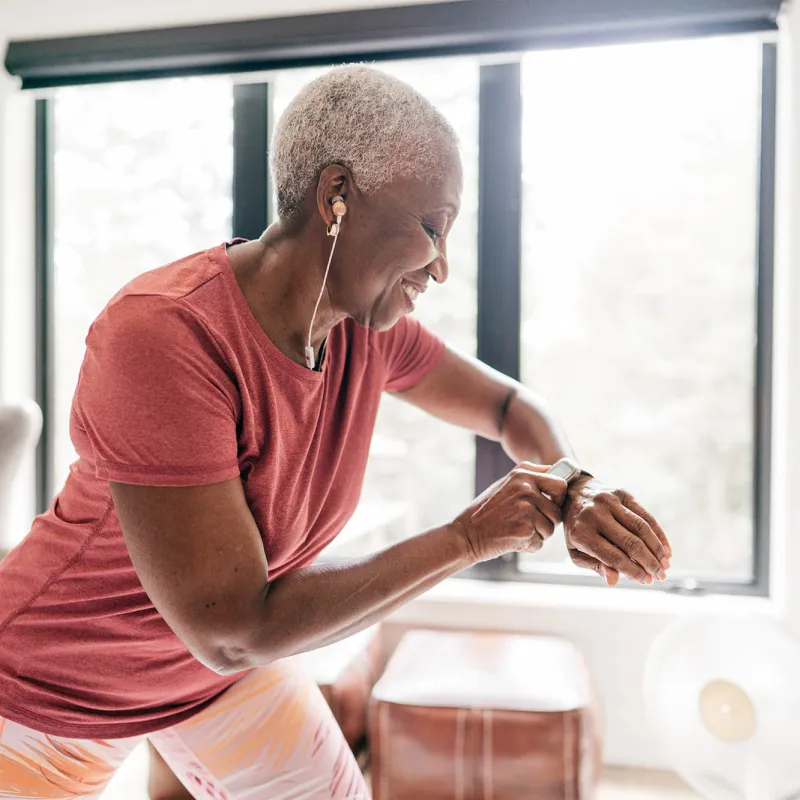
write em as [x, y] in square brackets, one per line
[200, 558]
[607, 530]
[466, 392]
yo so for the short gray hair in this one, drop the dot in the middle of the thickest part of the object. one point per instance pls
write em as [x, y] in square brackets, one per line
[377, 126]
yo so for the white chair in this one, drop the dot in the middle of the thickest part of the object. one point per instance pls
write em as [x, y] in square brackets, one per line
[20, 429]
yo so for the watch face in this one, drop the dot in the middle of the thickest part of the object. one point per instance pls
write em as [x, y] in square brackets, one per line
[563, 469]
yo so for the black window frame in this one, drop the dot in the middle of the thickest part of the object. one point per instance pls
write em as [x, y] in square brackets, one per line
[499, 230]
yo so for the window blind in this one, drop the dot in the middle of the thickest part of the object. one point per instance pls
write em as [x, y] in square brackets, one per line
[449, 28]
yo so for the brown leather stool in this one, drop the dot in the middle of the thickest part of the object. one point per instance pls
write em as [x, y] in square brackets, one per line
[470, 716]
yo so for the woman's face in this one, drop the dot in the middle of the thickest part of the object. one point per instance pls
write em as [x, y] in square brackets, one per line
[392, 242]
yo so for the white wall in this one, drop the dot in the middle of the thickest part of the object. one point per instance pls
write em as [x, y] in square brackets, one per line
[786, 557]
[43, 18]
[614, 629]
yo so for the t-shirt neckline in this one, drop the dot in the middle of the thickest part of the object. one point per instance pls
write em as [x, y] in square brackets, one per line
[275, 354]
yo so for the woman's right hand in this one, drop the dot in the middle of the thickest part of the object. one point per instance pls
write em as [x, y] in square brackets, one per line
[515, 515]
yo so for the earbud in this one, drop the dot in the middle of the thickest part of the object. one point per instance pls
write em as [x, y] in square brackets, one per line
[340, 209]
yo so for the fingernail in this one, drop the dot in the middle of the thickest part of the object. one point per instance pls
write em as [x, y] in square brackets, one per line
[648, 579]
[662, 576]
[665, 563]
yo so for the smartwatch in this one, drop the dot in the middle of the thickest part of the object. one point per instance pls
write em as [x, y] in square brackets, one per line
[567, 469]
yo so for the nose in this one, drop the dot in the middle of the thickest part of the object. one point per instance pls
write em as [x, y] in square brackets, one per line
[439, 269]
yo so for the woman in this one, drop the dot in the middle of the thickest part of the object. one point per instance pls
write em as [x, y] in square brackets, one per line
[218, 456]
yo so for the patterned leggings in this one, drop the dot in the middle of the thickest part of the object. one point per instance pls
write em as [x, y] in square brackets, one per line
[271, 736]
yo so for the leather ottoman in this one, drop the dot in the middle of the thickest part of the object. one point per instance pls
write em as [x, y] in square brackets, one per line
[470, 716]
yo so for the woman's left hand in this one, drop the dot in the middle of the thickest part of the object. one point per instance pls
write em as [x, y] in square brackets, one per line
[609, 532]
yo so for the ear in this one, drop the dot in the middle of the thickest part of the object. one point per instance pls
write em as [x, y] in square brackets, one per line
[333, 180]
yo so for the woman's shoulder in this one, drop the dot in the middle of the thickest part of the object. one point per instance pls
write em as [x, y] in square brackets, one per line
[179, 279]
[148, 323]
[166, 304]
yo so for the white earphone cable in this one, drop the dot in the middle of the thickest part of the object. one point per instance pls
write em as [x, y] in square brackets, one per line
[310, 355]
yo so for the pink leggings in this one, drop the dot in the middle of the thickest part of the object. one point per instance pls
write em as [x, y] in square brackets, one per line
[270, 736]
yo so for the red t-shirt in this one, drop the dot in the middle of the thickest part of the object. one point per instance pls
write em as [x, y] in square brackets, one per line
[180, 386]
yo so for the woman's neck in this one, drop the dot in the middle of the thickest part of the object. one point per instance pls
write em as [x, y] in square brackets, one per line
[280, 276]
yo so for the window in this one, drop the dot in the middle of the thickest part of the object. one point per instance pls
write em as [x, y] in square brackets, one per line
[142, 176]
[639, 294]
[643, 286]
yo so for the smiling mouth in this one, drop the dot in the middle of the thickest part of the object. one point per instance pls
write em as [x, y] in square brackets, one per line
[411, 291]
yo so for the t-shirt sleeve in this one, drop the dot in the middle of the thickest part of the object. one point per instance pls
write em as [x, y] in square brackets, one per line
[156, 398]
[409, 351]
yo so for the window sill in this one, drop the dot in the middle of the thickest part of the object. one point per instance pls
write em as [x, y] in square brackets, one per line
[501, 605]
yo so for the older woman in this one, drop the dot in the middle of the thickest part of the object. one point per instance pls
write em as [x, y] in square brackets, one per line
[222, 420]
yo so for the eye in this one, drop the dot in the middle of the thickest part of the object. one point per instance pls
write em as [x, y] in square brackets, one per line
[433, 234]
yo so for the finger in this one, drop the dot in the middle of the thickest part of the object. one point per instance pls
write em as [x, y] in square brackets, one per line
[610, 556]
[547, 507]
[631, 543]
[611, 576]
[529, 466]
[534, 544]
[630, 532]
[542, 525]
[555, 488]
[631, 503]
[583, 561]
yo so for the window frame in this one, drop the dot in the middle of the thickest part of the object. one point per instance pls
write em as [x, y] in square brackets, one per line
[44, 312]
[499, 280]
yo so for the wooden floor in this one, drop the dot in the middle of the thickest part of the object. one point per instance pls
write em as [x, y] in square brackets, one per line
[633, 784]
